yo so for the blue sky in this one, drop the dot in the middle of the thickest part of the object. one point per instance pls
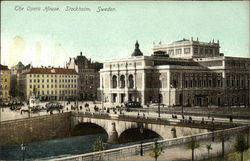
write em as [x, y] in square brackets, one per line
[50, 38]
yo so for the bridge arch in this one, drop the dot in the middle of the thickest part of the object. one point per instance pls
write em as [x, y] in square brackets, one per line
[87, 128]
[137, 134]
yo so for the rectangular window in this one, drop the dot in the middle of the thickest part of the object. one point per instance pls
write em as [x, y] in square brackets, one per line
[201, 51]
[171, 52]
[186, 50]
[195, 51]
[177, 51]
[30, 80]
[218, 83]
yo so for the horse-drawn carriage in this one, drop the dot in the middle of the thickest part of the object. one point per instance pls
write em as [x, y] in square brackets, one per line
[53, 106]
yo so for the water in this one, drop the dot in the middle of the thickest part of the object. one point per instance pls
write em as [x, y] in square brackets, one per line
[45, 150]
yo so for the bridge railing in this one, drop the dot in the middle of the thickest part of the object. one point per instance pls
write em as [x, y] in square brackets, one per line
[155, 120]
[123, 152]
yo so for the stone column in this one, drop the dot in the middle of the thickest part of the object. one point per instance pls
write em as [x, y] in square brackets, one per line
[113, 135]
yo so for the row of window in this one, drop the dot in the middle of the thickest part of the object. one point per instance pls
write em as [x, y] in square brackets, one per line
[122, 81]
[60, 80]
[3, 87]
[197, 83]
[51, 75]
[3, 93]
[237, 83]
[55, 92]
[3, 80]
[51, 86]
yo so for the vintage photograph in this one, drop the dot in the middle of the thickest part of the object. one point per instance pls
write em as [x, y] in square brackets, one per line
[125, 81]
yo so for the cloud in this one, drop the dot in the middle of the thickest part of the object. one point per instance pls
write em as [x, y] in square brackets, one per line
[16, 49]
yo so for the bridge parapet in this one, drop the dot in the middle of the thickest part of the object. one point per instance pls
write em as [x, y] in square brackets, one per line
[160, 121]
[128, 151]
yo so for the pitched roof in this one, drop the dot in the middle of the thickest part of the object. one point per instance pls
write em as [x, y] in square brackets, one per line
[51, 71]
[3, 67]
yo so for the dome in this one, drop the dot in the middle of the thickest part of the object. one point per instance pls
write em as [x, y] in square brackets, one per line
[137, 51]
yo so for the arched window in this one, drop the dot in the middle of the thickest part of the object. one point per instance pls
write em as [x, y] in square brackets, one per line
[114, 81]
[122, 81]
[131, 81]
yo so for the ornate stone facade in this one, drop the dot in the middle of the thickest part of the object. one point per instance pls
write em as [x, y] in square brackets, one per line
[89, 79]
[203, 81]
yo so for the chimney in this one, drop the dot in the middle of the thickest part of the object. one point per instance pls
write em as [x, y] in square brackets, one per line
[192, 38]
[213, 40]
[197, 39]
[81, 53]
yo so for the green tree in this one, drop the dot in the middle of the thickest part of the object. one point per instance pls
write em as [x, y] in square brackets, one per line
[156, 152]
[240, 145]
[223, 138]
[98, 144]
[209, 147]
[192, 146]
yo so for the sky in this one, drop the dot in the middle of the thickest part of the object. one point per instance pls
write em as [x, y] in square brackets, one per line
[50, 38]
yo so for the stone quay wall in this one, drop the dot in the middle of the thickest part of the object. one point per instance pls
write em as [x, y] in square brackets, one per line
[124, 153]
[35, 129]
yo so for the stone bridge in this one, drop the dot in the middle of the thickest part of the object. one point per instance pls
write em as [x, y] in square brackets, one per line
[116, 126]
[119, 128]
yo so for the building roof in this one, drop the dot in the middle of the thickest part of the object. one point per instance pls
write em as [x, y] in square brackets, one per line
[51, 71]
[3, 67]
[137, 51]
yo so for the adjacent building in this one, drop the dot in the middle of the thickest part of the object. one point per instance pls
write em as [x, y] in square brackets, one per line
[16, 85]
[89, 78]
[49, 83]
[182, 73]
[4, 84]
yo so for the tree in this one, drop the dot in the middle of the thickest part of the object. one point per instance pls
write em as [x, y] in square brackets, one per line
[98, 144]
[241, 145]
[222, 138]
[209, 147]
[192, 146]
[156, 152]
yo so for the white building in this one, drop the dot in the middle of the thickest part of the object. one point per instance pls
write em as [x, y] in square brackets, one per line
[196, 79]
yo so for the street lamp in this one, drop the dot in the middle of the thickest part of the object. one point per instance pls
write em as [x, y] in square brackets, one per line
[159, 110]
[23, 148]
[141, 132]
[102, 96]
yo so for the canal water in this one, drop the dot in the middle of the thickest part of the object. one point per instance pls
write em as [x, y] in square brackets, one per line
[46, 150]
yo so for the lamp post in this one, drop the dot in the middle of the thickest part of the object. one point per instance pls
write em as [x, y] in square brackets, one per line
[23, 148]
[159, 101]
[141, 132]
[102, 94]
